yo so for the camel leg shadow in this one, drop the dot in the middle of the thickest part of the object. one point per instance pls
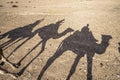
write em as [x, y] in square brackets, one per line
[18, 47]
[6, 43]
[73, 68]
[50, 61]
[89, 66]
[19, 62]
[24, 68]
[12, 43]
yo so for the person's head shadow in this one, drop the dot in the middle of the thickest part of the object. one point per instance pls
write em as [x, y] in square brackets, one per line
[19, 33]
[81, 43]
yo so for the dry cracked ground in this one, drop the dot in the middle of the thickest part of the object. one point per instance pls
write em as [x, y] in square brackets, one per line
[32, 30]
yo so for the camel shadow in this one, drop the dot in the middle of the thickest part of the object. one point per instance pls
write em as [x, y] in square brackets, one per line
[17, 35]
[45, 33]
[81, 43]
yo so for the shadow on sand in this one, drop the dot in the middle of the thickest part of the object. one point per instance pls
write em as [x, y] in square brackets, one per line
[81, 43]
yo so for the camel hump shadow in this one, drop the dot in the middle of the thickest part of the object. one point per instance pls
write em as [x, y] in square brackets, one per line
[81, 43]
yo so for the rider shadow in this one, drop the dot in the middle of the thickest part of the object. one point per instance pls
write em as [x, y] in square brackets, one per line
[81, 43]
[45, 33]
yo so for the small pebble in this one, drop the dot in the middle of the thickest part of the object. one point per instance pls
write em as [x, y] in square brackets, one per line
[80, 69]
[84, 70]
[14, 6]
[1, 6]
[118, 75]
[101, 64]
[11, 2]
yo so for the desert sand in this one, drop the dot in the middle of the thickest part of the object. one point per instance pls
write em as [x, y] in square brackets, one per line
[103, 17]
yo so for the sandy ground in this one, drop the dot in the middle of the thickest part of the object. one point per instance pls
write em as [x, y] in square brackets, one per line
[103, 17]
